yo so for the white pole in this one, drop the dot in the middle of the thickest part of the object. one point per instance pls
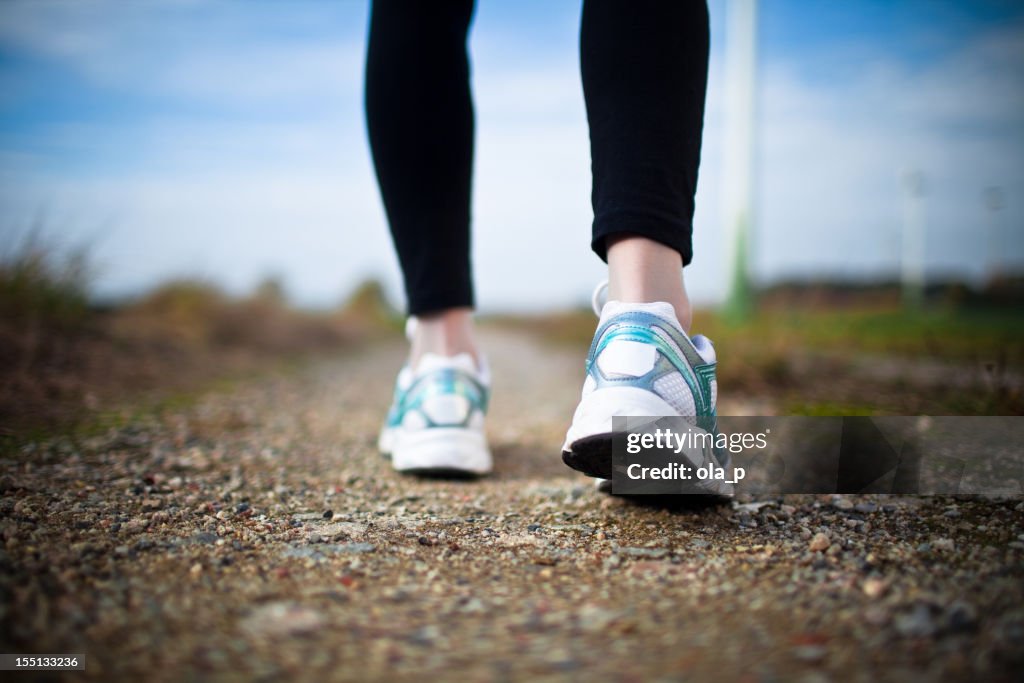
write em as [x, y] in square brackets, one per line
[994, 203]
[913, 237]
[738, 167]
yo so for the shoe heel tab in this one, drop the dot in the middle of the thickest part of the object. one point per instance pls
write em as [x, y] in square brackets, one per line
[704, 347]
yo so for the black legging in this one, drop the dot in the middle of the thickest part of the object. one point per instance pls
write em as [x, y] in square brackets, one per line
[644, 66]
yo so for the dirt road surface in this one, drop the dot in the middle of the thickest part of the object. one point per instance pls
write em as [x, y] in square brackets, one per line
[256, 534]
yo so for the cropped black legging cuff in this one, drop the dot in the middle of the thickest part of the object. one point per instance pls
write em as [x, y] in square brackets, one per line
[644, 65]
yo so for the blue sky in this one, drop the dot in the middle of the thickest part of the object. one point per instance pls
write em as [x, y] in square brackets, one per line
[225, 140]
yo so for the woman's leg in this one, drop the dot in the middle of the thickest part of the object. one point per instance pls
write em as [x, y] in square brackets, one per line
[419, 114]
[644, 65]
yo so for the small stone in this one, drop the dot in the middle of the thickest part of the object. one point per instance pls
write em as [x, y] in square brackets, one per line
[135, 525]
[865, 508]
[918, 623]
[874, 588]
[961, 617]
[328, 514]
[195, 570]
[810, 653]
[352, 548]
[876, 615]
[819, 543]
[653, 553]
[279, 619]
[203, 538]
[593, 619]
[943, 544]
[842, 504]
[474, 606]
[314, 538]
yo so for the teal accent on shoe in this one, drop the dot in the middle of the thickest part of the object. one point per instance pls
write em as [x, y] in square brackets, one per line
[440, 382]
[639, 326]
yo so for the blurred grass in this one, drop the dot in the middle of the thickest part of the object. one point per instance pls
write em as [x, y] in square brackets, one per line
[852, 359]
[63, 357]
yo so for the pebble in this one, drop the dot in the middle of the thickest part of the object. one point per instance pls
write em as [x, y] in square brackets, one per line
[962, 617]
[810, 653]
[842, 504]
[203, 538]
[819, 543]
[918, 623]
[654, 553]
[874, 588]
[594, 619]
[279, 619]
[865, 508]
[943, 544]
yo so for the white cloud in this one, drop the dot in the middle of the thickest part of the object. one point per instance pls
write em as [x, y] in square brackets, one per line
[200, 51]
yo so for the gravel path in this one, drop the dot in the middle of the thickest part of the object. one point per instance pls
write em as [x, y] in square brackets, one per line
[258, 535]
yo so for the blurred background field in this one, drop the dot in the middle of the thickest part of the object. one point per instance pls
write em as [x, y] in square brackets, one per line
[810, 348]
[65, 357]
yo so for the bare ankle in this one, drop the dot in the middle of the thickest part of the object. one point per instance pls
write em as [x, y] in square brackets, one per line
[445, 333]
[641, 270]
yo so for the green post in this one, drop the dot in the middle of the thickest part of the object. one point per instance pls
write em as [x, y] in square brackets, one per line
[739, 303]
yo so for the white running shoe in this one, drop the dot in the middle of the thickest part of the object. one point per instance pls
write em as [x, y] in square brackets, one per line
[436, 422]
[641, 363]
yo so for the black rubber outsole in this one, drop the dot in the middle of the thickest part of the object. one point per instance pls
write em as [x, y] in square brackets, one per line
[591, 455]
[448, 473]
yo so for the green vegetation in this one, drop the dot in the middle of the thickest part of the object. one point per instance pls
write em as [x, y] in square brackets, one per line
[940, 334]
[858, 358]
